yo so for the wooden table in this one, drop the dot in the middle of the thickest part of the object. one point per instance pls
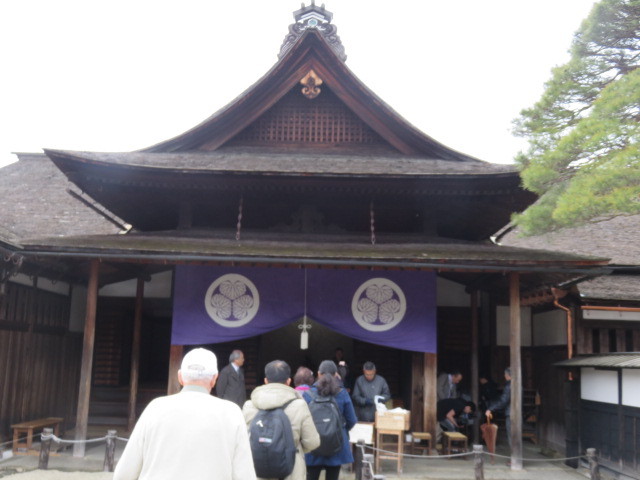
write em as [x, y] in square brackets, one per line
[27, 428]
[388, 446]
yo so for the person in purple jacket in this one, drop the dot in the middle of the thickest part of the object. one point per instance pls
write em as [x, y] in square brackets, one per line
[329, 384]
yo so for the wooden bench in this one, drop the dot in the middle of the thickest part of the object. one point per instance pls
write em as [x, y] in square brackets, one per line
[23, 444]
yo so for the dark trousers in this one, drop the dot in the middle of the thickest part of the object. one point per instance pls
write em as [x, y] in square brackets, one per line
[332, 473]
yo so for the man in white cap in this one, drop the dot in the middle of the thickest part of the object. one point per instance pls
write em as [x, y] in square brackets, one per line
[191, 434]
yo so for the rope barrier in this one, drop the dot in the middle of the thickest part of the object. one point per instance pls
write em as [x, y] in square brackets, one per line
[536, 459]
[407, 455]
[61, 440]
[466, 454]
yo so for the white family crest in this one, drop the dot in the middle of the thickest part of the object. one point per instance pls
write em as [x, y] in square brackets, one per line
[378, 305]
[232, 300]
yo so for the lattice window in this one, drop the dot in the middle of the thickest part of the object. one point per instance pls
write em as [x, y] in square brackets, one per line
[298, 120]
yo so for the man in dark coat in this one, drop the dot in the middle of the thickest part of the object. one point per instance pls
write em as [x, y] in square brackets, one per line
[367, 387]
[503, 403]
[231, 380]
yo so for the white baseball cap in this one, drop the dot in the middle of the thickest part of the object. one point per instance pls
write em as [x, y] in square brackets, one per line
[199, 362]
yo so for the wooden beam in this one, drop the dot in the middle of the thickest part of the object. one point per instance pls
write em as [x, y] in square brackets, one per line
[516, 371]
[475, 341]
[135, 355]
[84, 393]
[430, 395]
[175, 359]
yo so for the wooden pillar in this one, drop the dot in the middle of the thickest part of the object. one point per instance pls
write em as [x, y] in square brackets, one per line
[604, 340]
[135, 355]
[636, 340]
[84, 393]
[175, 359]
[430, 398]
[621, 340]
[475, 341]
[516, 371]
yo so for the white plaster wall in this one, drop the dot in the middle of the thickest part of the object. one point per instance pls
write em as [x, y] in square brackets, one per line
[61, 288]
[158, 287]
[78, 309]
[21, 279]
[631, 387]
[599, 385]
[451, 294]
[502, 326]
[550, 328]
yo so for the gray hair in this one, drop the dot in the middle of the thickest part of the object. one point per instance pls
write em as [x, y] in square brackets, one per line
[235, 355]
[508, 371]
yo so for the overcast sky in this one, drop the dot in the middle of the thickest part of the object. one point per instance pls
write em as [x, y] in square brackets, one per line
[121, 75]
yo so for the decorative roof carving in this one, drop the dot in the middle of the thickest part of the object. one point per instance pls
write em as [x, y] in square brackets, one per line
[319, 19]
[311, 85]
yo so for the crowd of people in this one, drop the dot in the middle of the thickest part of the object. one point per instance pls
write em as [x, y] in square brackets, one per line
[292, 427]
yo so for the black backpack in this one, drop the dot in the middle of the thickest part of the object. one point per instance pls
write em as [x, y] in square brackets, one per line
[272, 445]
[328, 420]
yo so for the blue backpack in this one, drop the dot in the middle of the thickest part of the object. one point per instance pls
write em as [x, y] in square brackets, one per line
[272, 445]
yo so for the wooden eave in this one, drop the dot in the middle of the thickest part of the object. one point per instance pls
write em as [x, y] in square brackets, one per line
[310, 52]
[91, 174]
[204, 245]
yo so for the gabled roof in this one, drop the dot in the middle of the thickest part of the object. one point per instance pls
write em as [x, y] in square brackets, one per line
[310, 52]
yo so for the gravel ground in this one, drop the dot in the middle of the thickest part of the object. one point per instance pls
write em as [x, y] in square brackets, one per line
[17, 474]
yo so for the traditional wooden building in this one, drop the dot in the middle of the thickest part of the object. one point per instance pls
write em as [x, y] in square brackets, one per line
[316, 203]
[598, 388]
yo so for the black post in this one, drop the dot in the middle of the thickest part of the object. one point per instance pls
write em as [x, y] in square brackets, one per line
[357, 459]
[594, 468]
[478, 461]
[45, 448]
[110, 451]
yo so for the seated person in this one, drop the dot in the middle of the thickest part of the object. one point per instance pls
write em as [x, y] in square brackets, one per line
[452, 413]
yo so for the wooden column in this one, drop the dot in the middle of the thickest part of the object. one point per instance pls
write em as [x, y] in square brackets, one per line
[135, 355]
[430, 398]
[175, 359]
[475, 342]
[516, 371]
[604, 340]
[84, 393]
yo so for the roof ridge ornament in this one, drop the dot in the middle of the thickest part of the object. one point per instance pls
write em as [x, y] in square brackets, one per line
[313, 17]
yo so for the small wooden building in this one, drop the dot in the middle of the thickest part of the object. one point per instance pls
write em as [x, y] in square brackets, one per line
[307, 172]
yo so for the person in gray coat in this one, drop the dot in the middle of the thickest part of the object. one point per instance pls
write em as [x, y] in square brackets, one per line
[367, 387]
[231, 380]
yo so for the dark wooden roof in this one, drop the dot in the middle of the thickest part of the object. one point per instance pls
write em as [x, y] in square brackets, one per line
[276, 145]
[616, 238]
[193, 245]
[310, 52]
[36, 202]
[319, 162]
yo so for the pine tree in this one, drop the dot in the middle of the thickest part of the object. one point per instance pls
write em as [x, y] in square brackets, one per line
[584, 133]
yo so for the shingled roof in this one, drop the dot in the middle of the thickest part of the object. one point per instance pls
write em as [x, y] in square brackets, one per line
[616, 238]
[36, 202]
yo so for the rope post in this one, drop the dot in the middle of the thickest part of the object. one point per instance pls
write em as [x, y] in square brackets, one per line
[357, 459]
[110, 451]
[478, 461]
[45, 448]
[367, 466]
[594, 468]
